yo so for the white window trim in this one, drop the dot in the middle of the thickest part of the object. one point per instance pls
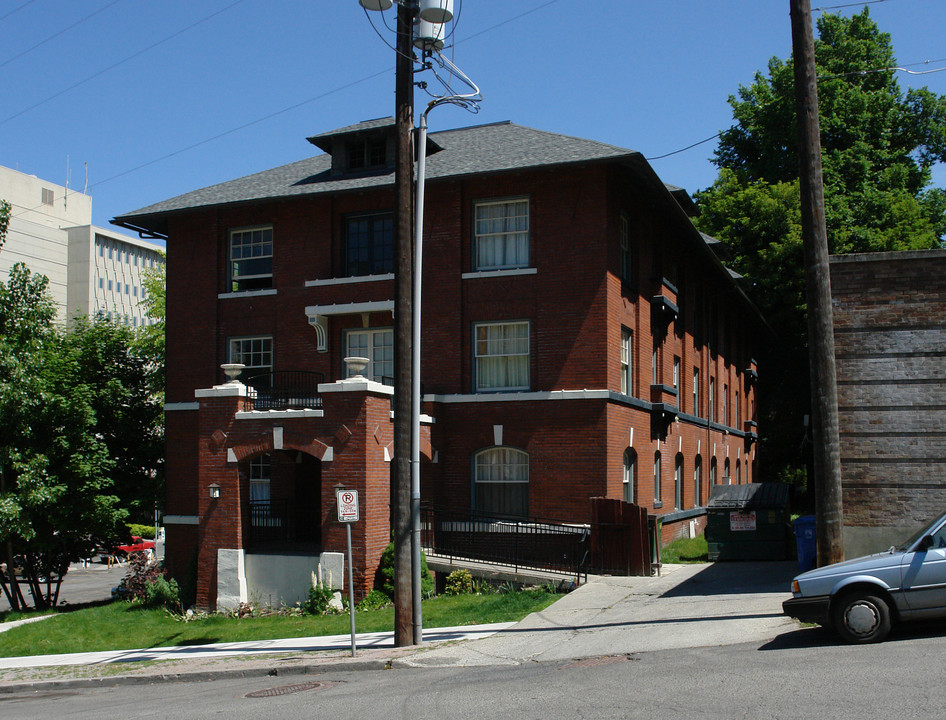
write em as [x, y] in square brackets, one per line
[528, 355]
[498, 273]
[528, 231]
[230, 259]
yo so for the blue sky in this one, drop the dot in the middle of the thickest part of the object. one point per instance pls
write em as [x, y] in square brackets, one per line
[153, 99]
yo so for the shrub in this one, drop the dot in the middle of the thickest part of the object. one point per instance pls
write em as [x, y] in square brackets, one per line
[163, 593]
[146, 532]
[459, 582]
[317, 601]
[374, 600]
[386, 574]
[141, 573]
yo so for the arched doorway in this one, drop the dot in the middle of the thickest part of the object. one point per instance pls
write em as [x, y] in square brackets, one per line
[282, 493]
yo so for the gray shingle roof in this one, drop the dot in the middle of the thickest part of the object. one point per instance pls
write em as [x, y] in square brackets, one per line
[466, 151]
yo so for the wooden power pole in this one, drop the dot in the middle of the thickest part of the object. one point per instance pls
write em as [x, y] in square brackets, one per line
[403, 281]
[824, 392]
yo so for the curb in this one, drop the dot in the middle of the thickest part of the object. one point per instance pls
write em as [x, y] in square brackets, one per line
[197, 676]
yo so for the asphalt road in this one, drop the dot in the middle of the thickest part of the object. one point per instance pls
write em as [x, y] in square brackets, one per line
[802, 673]
[86, 584]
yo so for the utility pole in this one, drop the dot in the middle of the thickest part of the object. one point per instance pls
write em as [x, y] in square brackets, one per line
[403, 281]
[824, 394]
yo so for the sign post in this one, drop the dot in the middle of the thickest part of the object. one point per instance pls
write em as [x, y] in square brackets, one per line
[347, 502]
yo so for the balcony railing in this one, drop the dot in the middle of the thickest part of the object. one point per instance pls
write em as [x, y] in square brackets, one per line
[287, 389]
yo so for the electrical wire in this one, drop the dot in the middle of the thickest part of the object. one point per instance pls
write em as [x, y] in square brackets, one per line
[857, 4]
[241, 127]
[55, 35]
[688, 147]
[16, 9]
[120, 62]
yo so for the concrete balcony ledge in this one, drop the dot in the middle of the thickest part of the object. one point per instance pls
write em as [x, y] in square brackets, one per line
[287, 414]
[230, 389]
[356, 384]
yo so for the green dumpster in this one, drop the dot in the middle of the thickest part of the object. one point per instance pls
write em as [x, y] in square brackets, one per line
[749, 522]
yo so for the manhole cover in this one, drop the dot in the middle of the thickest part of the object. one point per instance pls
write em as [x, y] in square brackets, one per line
[288, 689]
[596, 661]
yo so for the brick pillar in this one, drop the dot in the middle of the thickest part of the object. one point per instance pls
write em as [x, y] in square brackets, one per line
[221, 523]
[360, 411]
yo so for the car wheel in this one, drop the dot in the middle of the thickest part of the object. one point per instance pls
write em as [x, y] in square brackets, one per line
[861, 617]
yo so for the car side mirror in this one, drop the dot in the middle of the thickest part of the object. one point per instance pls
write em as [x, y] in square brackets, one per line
[925, 544]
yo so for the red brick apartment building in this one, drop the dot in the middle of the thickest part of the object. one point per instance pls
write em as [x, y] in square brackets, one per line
[580, 339]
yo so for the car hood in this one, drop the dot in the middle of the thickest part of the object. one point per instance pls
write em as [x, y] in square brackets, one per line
[865, 563]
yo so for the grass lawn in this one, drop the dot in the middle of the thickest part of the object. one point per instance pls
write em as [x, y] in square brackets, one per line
[123, 626]
[685, 551]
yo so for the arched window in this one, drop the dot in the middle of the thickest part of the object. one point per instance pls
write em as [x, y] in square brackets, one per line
[678, 482]
[501, 482]
[738, 473]
[698, 481]
[713, 471]
[657, 500]
[727, 477]
[630, 475]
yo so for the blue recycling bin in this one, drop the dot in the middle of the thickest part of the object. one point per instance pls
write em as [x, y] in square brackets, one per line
[806, 538]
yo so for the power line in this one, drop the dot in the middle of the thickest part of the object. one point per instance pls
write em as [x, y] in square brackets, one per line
[17, 9]
[55, 35]
[688, 147]
[298, 105]
[241, 127]
[857, 4]
[120, 62]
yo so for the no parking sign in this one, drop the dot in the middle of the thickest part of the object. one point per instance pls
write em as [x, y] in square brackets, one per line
[347, 501]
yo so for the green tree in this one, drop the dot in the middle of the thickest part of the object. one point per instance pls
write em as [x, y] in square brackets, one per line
[878, 147]
[55, 483]
[4, 221]
[128, 413]
[150, 338]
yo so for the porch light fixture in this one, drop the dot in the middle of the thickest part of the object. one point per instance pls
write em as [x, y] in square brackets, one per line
[214, 491]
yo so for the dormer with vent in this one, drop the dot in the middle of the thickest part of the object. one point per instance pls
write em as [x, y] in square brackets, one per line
[363, 149]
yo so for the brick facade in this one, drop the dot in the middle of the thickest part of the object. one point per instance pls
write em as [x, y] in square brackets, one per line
[611, 254]
[890, 341]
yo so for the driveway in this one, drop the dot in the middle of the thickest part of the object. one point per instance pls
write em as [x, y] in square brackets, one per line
[687, 606]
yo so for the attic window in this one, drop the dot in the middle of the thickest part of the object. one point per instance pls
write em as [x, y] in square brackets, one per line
[366, 154]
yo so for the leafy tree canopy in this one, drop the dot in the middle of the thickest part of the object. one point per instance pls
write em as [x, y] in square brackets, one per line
[878, 143]
[55, 472]
[878, 147]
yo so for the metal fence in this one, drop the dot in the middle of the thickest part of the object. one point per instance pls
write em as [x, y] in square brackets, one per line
[511, 542]
[281, 523]
[286, 389]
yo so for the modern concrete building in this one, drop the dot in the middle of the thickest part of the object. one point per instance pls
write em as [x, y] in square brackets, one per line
[106, 271]
[91, 270]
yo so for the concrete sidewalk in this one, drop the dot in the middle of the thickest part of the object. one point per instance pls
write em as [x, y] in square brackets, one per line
[687, 606]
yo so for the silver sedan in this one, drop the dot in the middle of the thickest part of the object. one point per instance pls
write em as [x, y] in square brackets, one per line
[862, 598]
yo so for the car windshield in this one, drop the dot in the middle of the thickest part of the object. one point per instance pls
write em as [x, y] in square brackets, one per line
[902, 547]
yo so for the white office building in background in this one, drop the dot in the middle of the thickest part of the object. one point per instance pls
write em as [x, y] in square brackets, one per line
[91, 270]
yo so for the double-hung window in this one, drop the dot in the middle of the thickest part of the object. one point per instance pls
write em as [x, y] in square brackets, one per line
[501, 356]
[627, 365]
[378, 346]
[369, 245]
[256, 354]
[501, 482]
[251, 259]
[501, 235]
